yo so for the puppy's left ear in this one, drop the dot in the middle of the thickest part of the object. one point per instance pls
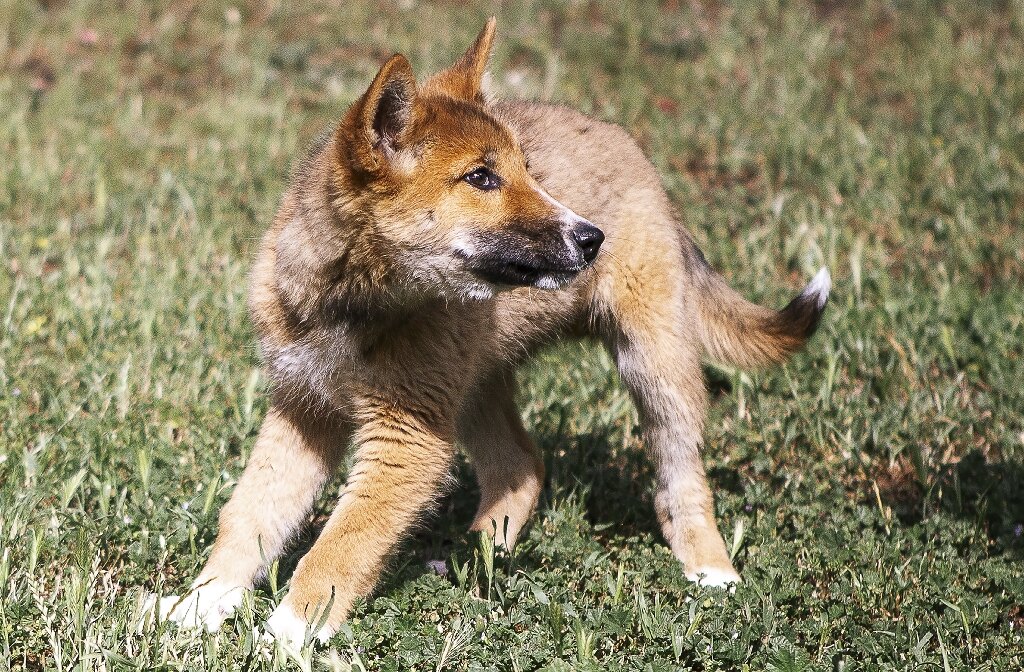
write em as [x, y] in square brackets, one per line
[465, 79]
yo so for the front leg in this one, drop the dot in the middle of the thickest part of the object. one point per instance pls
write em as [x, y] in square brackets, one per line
[508, 467]
[294, 456]
[403, 458]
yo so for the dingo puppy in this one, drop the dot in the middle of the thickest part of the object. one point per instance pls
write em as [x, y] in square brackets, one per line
[423, 250]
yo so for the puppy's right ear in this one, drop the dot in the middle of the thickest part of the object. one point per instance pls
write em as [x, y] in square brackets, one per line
[384, 115]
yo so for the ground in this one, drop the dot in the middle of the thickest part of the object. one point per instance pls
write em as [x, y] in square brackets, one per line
[870, 490]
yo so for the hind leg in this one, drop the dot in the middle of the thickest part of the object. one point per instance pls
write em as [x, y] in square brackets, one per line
[508, 467]
[659, 361]
[668, 387]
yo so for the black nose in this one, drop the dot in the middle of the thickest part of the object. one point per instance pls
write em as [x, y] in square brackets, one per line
[589, 238]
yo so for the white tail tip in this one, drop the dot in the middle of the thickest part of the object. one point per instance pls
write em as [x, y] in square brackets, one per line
[819, 287]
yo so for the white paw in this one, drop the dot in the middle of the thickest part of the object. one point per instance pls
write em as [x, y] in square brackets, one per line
[206, 606]
[293, 631]
[714, 577]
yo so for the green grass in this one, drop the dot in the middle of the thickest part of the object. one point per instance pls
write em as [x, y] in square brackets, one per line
[870, 490]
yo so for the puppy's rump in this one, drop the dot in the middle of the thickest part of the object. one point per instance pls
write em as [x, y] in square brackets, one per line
[737, 332]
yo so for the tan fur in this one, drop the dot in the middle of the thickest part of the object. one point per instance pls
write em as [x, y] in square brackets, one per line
[378, 326]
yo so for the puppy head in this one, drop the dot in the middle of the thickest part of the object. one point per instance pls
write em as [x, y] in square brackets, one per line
[445, 188]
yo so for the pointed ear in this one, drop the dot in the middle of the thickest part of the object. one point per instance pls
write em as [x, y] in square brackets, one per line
[465, 78]
[386, 110]
[474, 62]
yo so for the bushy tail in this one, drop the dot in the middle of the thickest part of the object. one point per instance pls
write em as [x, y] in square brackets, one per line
[743, 334]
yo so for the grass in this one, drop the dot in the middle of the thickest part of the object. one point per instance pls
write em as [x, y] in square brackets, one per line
[870, 490]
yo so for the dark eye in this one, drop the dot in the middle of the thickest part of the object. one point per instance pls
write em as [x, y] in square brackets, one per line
[482, 178]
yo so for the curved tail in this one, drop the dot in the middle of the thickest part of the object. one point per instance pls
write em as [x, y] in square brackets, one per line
[737, 332]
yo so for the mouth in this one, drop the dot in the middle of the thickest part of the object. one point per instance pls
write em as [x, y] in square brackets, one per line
[519, 274]
[546, 259]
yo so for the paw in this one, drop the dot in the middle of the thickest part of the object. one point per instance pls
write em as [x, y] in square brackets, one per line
[293, 631]
[715, 577]
[206, 606]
